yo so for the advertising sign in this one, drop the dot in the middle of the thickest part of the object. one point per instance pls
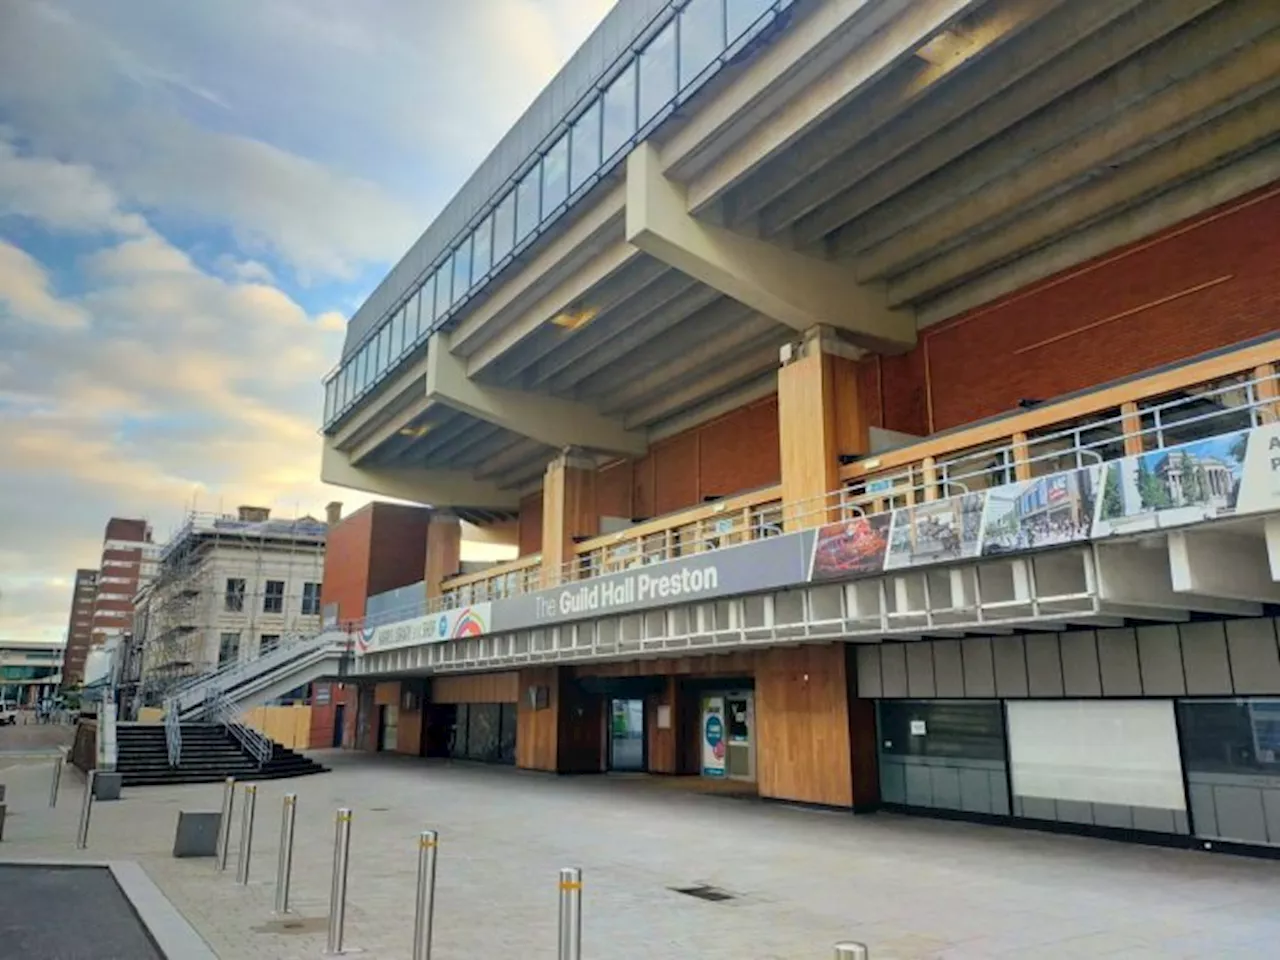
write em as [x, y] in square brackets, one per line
[745, 568]
[713, 740]
[473, 621]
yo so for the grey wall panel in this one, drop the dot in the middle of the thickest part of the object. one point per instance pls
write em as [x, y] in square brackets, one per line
[998, 780]
[1255, 660]
[948, 668]
[919, 786]
[1010, 659]
[1044, 666]
[1113, 815]
[1074, 811]
[1080, 672]
[869, 670]
[945, 783]
[979, 670]
[975, 791]
[920, 670]
[1118, 659]
[893, 670]
[1155, 820]
[1240, 814]
[1204, 658]
[1203, 813]
[893, 781]
[1271, 813]
[1037, 808]
[1160, 660]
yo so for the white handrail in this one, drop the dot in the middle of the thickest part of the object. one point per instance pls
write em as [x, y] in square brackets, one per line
[219, 709]
[173, 731]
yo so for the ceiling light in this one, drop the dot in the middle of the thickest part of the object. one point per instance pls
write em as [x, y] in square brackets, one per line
[415, 431]
[575, 319]
[943, 47]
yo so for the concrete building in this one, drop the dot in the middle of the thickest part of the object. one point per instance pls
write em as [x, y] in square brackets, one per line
[30, 672]
[229, 588]
[740, 333]
[79, 627]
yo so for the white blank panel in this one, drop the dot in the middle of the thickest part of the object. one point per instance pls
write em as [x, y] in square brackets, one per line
[1121, 752]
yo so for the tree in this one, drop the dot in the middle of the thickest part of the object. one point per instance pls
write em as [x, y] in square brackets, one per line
[1112, 501]
[1151, 490]
[1193, 487]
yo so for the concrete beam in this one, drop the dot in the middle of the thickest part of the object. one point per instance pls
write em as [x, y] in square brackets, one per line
[794, 289]
[1219, 564]
[1271, 533]
[588, 231]
[436, 488]
[521, 452]
[1202, 148]
[550, 420]
[1137, 574]
[1160, 118]
[926, 141]
[366, 418]
[400, 420]
[727, 375]
[1146, 102]
[864, 65]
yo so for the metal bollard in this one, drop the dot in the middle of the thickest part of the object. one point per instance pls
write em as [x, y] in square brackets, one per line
[426, 904]
[848, 950]
[284, 866]
[57, 780]
[86, 808]
[224, 824]
[570, 914]
[246, 834]
[338, 890]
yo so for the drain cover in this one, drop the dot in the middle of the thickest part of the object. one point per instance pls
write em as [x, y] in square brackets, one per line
[704, 892]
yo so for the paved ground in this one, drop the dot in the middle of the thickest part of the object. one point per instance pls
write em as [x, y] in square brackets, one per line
[39, 739]
[801, 879]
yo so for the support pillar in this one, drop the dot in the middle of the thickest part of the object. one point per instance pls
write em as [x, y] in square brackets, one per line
[820, 419]
[444, 552]
[568, 512]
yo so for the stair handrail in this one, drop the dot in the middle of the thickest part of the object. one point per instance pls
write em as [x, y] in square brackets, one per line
[236, 673]
[288, 642]
[219, 709]
[173, 731]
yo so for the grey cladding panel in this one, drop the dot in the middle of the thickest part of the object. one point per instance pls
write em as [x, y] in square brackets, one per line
[1080, 676]
[1160, 659]
[1255, 660]
[920, 670]
[979, 672]
[893, 670]
[1044, 666]
[1011, 666]
[1118, 658]
[1204, 658]
[948, 668]
[869, 671]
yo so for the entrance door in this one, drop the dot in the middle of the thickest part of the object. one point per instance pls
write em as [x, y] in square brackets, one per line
[387, 733]
[626, 735]
[339, 723]
[740, 721]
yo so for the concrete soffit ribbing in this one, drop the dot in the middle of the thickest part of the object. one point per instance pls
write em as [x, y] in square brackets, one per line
[550, 420]
[796, 290]
[439, 488]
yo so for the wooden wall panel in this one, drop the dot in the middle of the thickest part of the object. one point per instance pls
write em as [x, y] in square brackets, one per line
[537, 730]
[476, 688]
[803, 750]
[583, 728]
[387, 693]
[740, 663]
[675, 467]
[739, 451]
[398, 549]
[530, 524]
[614, 490]
[443, 553]
[409, 733]
[662, 745]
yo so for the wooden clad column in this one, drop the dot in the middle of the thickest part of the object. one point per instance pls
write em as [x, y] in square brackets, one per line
[568, 511]
[444, 552]
[819, 418]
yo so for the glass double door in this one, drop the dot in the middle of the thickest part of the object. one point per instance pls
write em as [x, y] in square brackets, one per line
[626, 735]
[728, 735]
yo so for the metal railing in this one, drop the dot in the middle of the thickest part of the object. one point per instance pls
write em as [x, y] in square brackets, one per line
[219, 709]
[173, 732]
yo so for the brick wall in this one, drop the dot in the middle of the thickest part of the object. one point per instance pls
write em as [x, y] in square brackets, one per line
[346, 564]
[529, 527]
[1201, 285]
[399, 553]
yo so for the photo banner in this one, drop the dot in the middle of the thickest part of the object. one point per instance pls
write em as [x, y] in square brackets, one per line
[459, 624]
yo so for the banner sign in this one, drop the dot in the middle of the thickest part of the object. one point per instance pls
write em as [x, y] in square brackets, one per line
[713, 737]
[473, 621]
[766, 564]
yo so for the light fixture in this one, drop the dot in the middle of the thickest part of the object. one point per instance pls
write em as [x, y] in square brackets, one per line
[420, 431]
[944, 46]
[575, 318]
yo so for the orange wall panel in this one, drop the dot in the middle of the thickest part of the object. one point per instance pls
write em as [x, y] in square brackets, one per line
[675, 468]
[530, 524]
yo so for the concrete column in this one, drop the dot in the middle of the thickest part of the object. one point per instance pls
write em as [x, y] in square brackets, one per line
[444, 546]
[568, 511]
[820, 419]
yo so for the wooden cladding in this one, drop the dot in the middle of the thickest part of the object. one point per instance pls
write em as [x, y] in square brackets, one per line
[476, 688]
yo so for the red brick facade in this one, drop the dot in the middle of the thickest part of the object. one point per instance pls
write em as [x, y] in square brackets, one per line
[378, 548]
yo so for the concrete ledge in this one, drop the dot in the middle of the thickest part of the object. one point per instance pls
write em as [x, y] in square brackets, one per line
[172, 935]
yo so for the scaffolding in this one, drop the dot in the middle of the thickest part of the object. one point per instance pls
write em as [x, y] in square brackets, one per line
[212, 581]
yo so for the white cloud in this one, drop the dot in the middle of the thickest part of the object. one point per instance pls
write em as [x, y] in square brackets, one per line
[26, 296]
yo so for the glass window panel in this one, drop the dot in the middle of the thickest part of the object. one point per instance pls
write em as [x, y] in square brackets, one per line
[413, 322]
[482, 250]
[348, 382]
[527, 210]
[397, 334]
[743, 13]
[362, 362]
[461, 270]
[584, 147]
[555, 175]
[444, 280]
[504, 226]
[328, 401]
[428, 302]
[658, 73]
[384, 349]
[701, 37]
[619, 121]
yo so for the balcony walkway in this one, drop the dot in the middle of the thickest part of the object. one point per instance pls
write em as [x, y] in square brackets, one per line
[799, 879]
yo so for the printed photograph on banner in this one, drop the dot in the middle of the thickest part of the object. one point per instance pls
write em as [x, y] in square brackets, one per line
[1171, 487]
[1043, 512]
[936, 532]
[853, 547]
[1260, 483]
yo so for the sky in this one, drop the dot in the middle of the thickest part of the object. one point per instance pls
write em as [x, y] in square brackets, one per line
[194, 197]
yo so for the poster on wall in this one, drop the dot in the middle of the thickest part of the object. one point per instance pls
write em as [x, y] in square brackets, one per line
[439, 627]
[713, 737]
[937, 532]
[1045, 512]
[851, 548]
[1260, 480]
[1172, 486]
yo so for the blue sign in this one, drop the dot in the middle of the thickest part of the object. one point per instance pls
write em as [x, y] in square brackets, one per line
[715, 730]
